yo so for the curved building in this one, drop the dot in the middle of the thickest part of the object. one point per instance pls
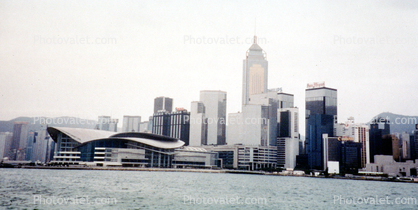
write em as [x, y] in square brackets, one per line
[104, 148]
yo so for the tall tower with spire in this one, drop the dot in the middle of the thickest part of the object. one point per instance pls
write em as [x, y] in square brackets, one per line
[255, 72]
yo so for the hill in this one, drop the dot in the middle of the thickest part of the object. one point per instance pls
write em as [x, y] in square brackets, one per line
[36, 123]
[398, 123]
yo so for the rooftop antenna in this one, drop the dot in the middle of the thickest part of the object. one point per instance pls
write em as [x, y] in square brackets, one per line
[255, 30]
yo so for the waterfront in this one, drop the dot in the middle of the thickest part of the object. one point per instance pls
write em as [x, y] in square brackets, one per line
[98, 189]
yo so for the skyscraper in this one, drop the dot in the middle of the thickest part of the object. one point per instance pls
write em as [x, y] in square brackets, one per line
[406, 146]
[198, 124]
[163, 103]
[5, 144]
[105, 123]
[113, 125]
[255, 72]
[131, 123]
[161, 123]
[175, 124]
[321, 115]
[215, 112]
[359, 133]
[20, 137]
[180, 125]
[379, 128]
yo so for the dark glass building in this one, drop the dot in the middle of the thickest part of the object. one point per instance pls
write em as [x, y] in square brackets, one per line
[350, 157]
[413, 139]
[180, 125]
[175, 124]
[19, 141]
[161, 123]
[163, 103]
[378, 129]
[321, 115]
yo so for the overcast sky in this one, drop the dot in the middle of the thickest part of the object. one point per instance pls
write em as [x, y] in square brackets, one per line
[61, 58]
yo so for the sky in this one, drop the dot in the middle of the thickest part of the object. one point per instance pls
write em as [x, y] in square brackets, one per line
[87, 59]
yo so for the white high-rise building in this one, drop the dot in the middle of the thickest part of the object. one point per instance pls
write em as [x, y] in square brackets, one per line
[131, 123]
[255, 72]
[215, 113]
[144, 127]
[198, 124]
[288, 136]
[105, 123]
[249, 127]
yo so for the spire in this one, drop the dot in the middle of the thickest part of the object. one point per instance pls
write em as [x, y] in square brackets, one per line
[255, 30]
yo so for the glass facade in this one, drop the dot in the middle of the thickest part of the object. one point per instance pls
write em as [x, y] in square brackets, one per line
[377, 130]
[153, 157]
[163, 103]
[350, 160]
[175, 125]
[321, 101]
[215, 113]
[321, 114]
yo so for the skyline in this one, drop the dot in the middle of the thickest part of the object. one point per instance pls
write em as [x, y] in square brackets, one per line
[154, 49]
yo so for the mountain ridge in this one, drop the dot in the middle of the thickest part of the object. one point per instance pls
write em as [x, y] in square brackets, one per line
[37, 123]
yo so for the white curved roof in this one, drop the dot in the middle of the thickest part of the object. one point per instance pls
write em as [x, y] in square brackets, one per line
[83, 136]
[155, 143]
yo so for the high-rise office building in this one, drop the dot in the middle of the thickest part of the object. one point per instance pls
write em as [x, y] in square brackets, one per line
[321, 115]
[198, 124]
[287, 137]
[342, 152]
[405, 145]
[30, 145]
[103, 123]
[106, 123]
[175, 124]
[5, 144]
[131, 123]
[144, 127]
[40, 145]
[215, 113]
[412, 146]
[163, 103]
[255, 72]
[161, 123]
[180, 125]
[20, 137]
[113, 125]
[252, 126]
[378, 129]
[359, 133]
[350, 159]
[257, 123]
